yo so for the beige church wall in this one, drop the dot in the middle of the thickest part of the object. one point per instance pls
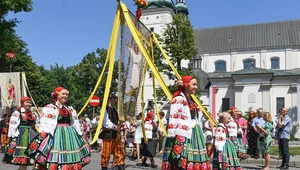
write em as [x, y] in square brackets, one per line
[204, 98]
[209, 61]
[251, 98]
[268, 54]
[281, 91]
[296, 58]
[224, 92]
[158, 21]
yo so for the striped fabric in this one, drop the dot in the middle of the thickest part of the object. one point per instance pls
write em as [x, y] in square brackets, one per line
[227, 159]
[16, 147]
[186, 153]
[112, 147]
[240, 147]
[65, 149]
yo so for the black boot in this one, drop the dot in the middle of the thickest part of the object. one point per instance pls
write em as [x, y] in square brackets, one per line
[144, 162]
[153, 165]
[121, 167]
[103, 168]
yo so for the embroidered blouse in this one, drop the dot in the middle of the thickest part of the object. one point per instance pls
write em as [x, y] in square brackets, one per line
[53, 114]
[20, 117]
[232, 128]
[180, 122]
[221, 135]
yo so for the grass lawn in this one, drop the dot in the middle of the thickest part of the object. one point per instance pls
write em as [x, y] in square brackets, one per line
[294, 150]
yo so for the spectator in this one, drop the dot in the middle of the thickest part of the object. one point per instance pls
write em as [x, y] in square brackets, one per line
[284, 124]
[252, 147]
[161, 136]
[259, 120]
[207, 127]
[138, 135]
[265, 138]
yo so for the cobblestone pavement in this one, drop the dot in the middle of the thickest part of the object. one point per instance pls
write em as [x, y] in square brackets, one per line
[132, 165]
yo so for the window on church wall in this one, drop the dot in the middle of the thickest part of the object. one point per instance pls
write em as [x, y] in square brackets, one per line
[220, 66]
[225, 104]
[275, 63]
[279, 104]
[248, 63]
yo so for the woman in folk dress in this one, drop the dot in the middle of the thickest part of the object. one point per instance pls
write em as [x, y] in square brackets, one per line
[59, 144]
[21, 131]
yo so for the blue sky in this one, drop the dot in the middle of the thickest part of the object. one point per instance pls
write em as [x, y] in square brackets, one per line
[63, 31]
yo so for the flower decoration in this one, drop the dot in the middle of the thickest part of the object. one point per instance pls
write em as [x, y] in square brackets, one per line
[11, 55]
[140, 4]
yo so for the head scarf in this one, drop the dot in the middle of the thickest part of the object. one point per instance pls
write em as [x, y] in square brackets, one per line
[55, 93]
[149, 116]
[185, 81]
[23, 99]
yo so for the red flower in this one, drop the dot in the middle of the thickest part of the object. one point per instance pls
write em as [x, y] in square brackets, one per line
[41, 159]
[220, 139]
[171, 126]
[49, 116]
[180, 110]
[183, 163]
[182, 117]
[197, 166]
[24, 160]
[17, 159]
[53, 167]
[204, 166]
[33, 146]
[218, 130]
[180, 139]
[238, 168]
[86, 160]
[162, 165]
[167, 165]
[77, 166]
[208, 165]
[224, 165]
[181, 101]
[43, 134]
[10, 151]
[173, 101]
[24, 117]
[175, 115]
[13, 144]
[65, 167]
[190, 166]
[184, 127]
[177, 149]
[10, 55]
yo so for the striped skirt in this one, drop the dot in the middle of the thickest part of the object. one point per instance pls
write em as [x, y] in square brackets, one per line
[66, 149]
[16, 147]
[240, 147]
[183, 153]
[227, 159]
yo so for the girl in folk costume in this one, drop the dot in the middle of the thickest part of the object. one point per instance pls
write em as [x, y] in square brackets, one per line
[225, 156]
[149, 147]
[21, 131]
[59, 144]
[236, 134]
[185, 144]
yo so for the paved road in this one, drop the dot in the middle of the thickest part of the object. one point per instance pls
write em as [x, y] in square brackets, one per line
[130, 165]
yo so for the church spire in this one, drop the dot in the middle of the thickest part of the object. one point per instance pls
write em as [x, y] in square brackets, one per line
[181, 7]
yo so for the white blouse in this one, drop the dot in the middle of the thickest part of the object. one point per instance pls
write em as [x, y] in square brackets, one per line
[220, 137]
[49, 117]
[14, 123]
[180, 122]
[232, 128]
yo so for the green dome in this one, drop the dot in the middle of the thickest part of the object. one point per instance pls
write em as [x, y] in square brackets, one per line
[182, 8]
[164, 3]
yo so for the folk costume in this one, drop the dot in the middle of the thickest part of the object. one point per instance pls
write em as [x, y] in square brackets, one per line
[111, 137]
[185, 144]
[225, 156]
[21, 131]
[149, 148]
[235, 133]
[59, 144]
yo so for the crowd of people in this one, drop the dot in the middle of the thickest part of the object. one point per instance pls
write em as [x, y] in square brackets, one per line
[58, 139]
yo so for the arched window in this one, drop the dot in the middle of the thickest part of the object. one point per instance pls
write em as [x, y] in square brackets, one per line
[220, 65]
[248, 63]
[275, 63]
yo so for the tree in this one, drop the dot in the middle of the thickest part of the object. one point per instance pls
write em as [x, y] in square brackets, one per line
[179, 44]
[10, 42]
[83, 78]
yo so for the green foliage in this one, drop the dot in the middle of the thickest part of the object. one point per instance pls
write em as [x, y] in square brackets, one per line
[179, 44]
